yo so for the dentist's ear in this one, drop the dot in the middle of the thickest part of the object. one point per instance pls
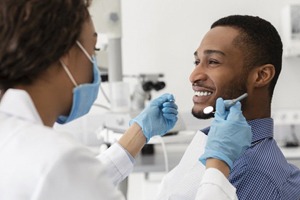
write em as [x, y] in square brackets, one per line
[263, 75]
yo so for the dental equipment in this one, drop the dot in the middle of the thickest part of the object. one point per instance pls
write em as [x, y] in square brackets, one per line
[142, 91]
[228, 104]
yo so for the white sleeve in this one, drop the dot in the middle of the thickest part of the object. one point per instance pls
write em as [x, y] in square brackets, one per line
[117, 162]
[215, 186]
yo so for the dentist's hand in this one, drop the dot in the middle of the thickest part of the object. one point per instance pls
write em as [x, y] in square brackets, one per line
[158, 117]
[229, 135]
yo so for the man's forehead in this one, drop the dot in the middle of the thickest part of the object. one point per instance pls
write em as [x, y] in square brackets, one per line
[220, 34]
[218, 40]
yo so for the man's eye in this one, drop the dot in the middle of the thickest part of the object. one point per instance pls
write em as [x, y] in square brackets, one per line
[213, 62]
[97, 49]
[196, 62]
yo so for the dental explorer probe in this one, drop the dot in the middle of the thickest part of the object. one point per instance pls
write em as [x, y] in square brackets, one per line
[228, 104]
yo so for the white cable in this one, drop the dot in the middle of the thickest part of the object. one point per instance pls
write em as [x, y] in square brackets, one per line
[165, 153]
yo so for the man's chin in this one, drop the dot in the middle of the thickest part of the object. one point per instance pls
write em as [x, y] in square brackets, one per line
[201, 115]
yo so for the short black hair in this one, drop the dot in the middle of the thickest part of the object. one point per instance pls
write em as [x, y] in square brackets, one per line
[260, 41]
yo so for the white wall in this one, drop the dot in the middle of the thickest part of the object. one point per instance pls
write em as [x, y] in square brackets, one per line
[161, 36]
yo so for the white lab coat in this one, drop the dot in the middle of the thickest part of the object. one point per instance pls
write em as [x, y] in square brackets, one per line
[39, 163]
[189, 180]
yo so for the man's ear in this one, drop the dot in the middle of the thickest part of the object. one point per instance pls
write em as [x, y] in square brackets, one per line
[263, 75]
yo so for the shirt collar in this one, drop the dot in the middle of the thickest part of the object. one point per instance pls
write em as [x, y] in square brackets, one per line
[261, 129]
[18, 103]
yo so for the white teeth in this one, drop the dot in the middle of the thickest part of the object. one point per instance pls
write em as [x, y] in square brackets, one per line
[202, 93]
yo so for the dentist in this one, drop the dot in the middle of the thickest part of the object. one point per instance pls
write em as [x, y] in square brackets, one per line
[48, 74]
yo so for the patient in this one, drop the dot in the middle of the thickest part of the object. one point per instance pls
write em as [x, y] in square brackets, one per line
[238, 54]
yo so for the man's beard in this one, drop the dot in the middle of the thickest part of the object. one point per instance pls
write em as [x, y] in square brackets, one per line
[202, 115]
[234, 90]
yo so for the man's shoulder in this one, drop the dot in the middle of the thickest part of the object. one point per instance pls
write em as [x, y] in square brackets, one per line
[264, 165]
[265, 157]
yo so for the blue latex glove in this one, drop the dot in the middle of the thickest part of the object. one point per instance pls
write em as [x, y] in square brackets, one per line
[158, 117]
[229, 135]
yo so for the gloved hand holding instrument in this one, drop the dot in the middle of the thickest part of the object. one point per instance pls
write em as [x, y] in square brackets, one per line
[229, 135]
[158, 117]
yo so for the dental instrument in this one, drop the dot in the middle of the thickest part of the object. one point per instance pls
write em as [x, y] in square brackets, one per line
[228, 104]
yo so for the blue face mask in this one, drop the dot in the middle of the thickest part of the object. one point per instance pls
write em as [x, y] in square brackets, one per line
[84, 95]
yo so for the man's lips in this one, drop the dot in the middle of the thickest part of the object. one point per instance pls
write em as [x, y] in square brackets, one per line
[201, 94]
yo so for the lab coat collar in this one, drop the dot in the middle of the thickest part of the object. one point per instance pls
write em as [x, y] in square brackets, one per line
[18, 103]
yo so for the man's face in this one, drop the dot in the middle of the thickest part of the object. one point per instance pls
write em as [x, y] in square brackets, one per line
[219, 70]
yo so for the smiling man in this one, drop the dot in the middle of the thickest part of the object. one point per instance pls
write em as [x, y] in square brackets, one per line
[238, 54]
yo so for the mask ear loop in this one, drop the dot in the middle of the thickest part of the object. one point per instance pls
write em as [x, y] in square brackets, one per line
[69, 73]
[84, 51]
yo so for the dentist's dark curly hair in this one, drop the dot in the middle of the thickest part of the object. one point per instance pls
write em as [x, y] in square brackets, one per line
[34, 34]
[259, 41]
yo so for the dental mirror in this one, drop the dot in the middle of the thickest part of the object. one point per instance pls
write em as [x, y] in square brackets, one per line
[210, 109]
